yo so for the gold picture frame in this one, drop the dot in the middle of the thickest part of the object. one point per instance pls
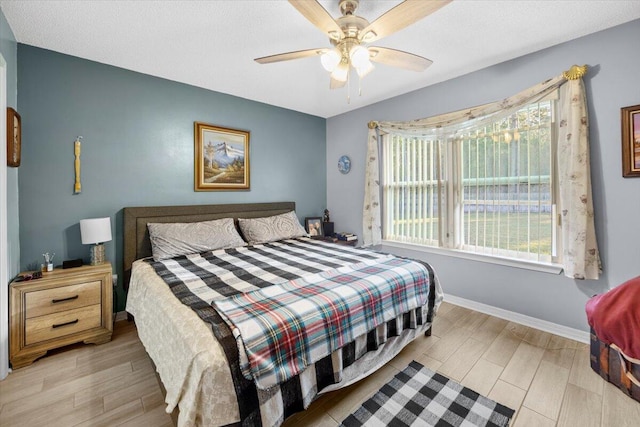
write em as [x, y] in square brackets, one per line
[221, 158]
[14, 138]
[630, 117]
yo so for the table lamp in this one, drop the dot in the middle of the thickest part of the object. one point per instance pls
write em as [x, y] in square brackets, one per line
[96, 231]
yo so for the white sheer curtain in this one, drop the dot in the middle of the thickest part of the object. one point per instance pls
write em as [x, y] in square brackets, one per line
[580, 255]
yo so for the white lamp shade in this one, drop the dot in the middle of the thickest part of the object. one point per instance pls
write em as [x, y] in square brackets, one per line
[95, 230]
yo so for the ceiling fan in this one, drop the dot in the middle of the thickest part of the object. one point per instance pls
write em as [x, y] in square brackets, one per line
[351, 34]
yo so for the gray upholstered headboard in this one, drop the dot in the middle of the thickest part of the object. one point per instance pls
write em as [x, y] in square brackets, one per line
[136, 236]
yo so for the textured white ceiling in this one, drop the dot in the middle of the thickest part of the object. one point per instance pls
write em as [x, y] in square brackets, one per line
[212, 44]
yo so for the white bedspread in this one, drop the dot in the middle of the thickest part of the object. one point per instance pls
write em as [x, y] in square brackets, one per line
[191, 363]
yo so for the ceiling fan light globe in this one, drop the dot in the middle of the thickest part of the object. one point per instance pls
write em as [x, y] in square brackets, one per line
[359, 56]
[365, 69]
[341, 72]
[330, 60]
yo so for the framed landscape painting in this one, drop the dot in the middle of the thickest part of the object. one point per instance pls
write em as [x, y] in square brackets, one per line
[221, 158]
[630, 141]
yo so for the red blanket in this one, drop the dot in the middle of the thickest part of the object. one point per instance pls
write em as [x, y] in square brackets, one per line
[615, 317]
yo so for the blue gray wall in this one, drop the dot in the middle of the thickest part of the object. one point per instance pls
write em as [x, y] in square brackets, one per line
[612, 83]
[138, 150]
[8, 48]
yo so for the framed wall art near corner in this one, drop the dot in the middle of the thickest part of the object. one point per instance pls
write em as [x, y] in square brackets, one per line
[314, 226]
[14, 138]
[221, 158]
[630, 141]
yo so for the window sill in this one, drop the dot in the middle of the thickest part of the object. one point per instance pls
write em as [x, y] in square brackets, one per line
[509, 262]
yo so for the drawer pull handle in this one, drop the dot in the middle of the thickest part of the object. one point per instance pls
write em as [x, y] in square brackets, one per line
[73, 322]
[54, 301]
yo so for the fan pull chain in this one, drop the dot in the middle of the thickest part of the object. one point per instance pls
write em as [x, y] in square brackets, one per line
[349, 87]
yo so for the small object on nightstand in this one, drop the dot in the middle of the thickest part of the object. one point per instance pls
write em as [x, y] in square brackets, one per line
[346, 236]
[327, 227]
[28, 276]
[72, 263]
[48, 261]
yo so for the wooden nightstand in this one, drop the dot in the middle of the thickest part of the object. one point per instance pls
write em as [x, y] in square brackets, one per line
[61, 308]
[336, 240]
[345, 242]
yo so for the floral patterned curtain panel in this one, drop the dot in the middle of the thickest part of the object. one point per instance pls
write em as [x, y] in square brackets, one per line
[371, 215]
[580, 256]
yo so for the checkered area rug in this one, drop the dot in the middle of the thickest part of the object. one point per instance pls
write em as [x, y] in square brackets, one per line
[417, 396]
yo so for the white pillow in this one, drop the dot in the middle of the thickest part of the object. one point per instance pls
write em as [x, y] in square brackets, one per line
[169, 240]
[271, 228]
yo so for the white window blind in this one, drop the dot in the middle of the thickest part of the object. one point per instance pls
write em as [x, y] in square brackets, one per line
[411, 185]
[486, 188]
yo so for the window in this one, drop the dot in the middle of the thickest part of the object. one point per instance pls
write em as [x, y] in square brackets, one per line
[485, 188]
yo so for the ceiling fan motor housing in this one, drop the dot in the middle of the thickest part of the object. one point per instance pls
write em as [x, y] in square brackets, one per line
[348, 7]
[351, 25]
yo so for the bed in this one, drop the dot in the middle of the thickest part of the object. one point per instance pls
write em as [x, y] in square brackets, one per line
[205, 369]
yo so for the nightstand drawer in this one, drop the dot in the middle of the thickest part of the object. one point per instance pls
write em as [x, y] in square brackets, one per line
[63, 298]
[57, 325]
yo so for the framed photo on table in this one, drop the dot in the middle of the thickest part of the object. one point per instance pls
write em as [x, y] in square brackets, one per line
[221, 158]
[14, 138]
[314, 226]
[630, 117]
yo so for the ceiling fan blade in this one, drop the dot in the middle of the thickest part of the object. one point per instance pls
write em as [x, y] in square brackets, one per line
[401, 16]
[290, 55]
[336, 84]
[318, 16]
[398, 58]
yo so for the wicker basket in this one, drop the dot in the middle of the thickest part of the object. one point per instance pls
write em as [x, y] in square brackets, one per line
[615, 367]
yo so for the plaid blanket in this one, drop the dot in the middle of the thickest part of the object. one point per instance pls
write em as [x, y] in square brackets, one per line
[198, 280]
[285, 328]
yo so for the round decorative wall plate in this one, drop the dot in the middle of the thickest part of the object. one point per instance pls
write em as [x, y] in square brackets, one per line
[344, 164]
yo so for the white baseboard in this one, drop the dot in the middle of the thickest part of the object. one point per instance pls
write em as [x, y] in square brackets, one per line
[543, 325]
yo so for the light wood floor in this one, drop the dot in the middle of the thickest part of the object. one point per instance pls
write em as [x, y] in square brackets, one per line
[546, 378]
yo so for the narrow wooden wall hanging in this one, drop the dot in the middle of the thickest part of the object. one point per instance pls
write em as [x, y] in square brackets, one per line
[77, 188]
